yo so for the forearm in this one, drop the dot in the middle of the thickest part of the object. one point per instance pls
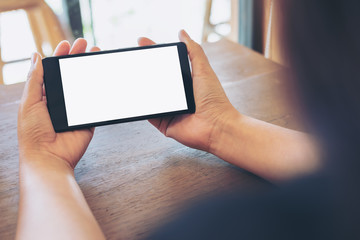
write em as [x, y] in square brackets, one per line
[270, 151]
[52, 205]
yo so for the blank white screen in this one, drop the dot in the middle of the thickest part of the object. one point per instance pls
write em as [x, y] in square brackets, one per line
[122, 85]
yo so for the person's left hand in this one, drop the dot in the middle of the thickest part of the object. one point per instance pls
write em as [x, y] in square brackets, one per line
[37, 139]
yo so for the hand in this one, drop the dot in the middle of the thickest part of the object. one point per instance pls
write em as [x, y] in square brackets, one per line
[212, 106]
[37, 138]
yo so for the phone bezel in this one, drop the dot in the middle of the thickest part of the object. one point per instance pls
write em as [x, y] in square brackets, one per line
[55, 95]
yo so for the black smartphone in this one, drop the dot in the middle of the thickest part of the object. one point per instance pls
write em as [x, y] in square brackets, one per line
[107, 87]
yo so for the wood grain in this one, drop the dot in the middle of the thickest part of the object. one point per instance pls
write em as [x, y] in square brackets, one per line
[135, 179]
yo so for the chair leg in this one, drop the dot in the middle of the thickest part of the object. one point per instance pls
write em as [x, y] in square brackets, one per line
[207, 27]
[45, 27]
[54, 31]
[1, 68]
[33, 17]
[1, 73]
[43, 22]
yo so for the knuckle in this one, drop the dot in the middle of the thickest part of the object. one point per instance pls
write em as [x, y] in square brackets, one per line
[196, 46]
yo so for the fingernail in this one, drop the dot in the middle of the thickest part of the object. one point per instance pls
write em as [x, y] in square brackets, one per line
[186, 34]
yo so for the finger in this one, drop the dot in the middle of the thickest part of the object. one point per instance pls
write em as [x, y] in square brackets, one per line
[143, 41]
[62, 48]
[34, 85]
[155, 122]
[95, 49]
[161, 124]
[79, 46]
[197, 56]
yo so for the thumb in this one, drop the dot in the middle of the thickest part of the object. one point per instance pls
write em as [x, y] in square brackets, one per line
[34, 84]
[199, 61]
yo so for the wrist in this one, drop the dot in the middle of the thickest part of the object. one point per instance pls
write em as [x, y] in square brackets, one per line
[222, 129]
[44, 162]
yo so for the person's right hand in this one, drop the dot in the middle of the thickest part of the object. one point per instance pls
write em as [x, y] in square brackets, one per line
[212, 106]
[37, 139]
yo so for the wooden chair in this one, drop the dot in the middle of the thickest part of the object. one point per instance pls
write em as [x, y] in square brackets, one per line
[208, 27]
[45, 26]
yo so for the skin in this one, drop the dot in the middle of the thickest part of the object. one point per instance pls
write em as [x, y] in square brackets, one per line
[272, 152]
[55, 208]
[58, 205]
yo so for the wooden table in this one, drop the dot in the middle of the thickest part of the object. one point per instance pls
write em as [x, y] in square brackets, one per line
[133, 177]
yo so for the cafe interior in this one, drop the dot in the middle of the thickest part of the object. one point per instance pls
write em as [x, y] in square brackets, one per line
[32, 25]
[133, 178]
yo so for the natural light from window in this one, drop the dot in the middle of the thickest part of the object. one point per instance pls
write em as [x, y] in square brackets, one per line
[116, 24]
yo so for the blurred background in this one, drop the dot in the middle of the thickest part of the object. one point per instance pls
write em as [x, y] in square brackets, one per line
[27, 26]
